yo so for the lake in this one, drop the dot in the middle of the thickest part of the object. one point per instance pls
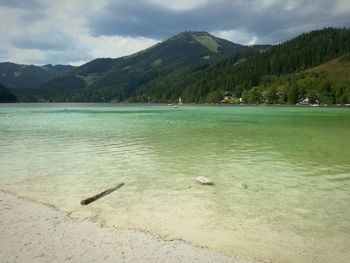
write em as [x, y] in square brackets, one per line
[281, 174]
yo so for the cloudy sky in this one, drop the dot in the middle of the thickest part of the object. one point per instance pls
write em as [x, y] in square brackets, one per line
[76, 31]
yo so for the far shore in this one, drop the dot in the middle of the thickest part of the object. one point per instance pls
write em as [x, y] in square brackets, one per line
[34, 232]
[172, 104]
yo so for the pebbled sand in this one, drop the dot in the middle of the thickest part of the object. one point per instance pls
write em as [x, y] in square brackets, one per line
[33, 232]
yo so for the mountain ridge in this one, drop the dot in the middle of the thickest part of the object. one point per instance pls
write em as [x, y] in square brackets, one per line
[125, 75]
[202, 68]
[29, 76]
[240, 75]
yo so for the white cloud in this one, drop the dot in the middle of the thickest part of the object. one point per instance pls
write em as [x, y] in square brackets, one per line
[342, 7]
[290, 5]
[253, 41]
[23, 56]
[178, 4]
[114, 46]
[77, 63]
[266, 3]
[238, 36]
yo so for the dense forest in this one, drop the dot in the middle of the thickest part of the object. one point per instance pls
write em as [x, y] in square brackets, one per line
[262, 74]
[200, 68]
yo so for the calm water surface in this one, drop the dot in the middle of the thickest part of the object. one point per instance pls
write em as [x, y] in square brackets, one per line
[295, 162]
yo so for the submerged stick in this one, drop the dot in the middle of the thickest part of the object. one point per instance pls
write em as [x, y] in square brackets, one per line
[98, 196]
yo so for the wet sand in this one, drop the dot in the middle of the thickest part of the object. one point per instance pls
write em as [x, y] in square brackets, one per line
[34, 232]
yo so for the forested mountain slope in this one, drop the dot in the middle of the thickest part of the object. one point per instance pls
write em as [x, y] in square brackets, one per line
[29, 76]
[200, 68]
[305, 51]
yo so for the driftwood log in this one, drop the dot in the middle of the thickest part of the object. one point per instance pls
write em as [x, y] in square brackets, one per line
[102, 194]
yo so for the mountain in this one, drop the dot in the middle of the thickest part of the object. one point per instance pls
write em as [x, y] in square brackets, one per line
[259, 70]
[200, 68]
[29, 76]
[6, 95]
[128, 77]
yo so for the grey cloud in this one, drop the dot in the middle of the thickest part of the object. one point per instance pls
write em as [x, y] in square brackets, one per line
[30, 10]
[44, 40]
[3, 54]
[33, 16]
[54, 57]
[144, 19]
[63, 57]
[271, 24]
[22, 4]
[58, 47]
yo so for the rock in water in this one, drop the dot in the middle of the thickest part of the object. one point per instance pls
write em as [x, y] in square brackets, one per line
[204, 180]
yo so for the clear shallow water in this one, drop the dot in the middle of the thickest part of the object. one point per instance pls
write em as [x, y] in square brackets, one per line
[295, 162]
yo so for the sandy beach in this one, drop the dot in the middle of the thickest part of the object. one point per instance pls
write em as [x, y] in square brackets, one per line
[34, 232]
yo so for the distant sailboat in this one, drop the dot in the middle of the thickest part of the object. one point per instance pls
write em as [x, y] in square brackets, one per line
[179, 103]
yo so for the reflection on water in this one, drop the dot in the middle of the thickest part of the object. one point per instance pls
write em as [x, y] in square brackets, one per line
[294, 162]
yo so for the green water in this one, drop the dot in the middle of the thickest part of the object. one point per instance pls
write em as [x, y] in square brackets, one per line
[295, 162]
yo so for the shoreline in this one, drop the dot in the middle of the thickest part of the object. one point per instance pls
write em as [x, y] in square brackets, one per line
[36, 232]
[167, 104]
